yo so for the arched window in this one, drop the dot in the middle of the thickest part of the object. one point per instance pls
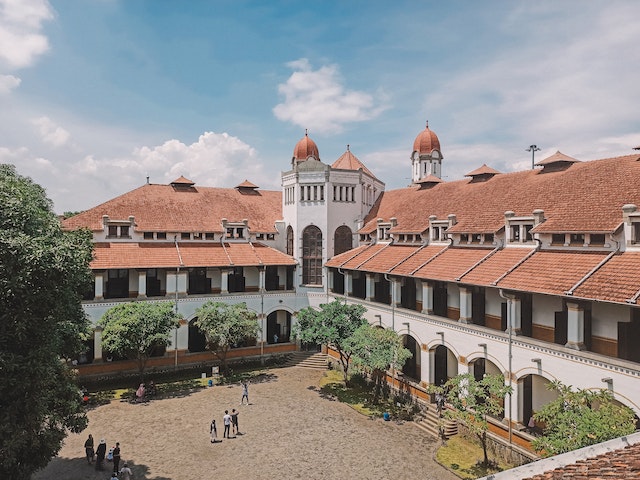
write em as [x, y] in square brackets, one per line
[290, 240]
[312, 256]
[342, 240]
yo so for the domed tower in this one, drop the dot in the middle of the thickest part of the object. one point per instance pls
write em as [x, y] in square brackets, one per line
[305, 149]
[426, 158]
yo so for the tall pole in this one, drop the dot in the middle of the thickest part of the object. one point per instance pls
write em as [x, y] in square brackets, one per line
[533, 149]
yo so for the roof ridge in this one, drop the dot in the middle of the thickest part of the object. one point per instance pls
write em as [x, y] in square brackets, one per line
[522, 260]
[407, 258]
[591, 272]
[374, 254]
[255, 252]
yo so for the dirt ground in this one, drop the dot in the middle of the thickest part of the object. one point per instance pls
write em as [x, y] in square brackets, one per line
[288, 431]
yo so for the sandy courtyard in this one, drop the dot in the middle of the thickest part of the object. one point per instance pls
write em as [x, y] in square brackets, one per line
[289, 431]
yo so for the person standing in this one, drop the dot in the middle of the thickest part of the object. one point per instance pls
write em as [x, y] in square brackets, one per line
[88, 449]
[116, 458]
[100, 453]
[213, 430]
[140, 393]
[245, 392]
[226, 420]
[234, 421]
[125, 472]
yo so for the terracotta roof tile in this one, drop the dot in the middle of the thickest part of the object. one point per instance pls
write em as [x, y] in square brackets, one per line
[162, 208]
[388, 258]
[452, 263]
[483, 170]
[348, 161]
[588, 197]
[416, 260]
[495, 266]
[618, 280]
[552, 272]
[365, 254]
[165, 255]
[557, 157]
[341, 259]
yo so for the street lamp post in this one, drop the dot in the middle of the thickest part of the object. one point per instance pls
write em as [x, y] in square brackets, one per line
[533, 149]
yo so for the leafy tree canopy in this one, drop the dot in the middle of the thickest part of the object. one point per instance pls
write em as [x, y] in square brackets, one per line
[226, 325]
[579, 418]
[44, 272]
[332, 325]
[473, 401]
[135, 329]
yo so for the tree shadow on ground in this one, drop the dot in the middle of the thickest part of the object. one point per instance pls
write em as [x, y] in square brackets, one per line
[323, 393]
[79, 469]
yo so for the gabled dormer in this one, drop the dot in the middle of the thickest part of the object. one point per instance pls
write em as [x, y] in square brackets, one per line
[118, 229]
[556, 162]
[631, 219]
[235, 231]
[383, 229]
[518, 229]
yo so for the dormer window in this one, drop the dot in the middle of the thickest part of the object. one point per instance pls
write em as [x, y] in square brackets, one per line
[577, 239]
[635, 236]
[185, 236]
[113, 230]
[557, 239]
[118, 228]
[596, 239]
[438, 229]
[519, 228]
[464, 238]
[488, 238]
[235, 230]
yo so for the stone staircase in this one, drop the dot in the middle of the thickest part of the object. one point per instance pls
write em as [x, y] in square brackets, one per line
[429, 421]
[313, 360]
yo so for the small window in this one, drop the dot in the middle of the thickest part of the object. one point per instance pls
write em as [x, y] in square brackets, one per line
[197, 236]
[475, 238]
[148, 235]
[113, 231]
[271, 236]
[596, 239]
[124, 231]
[557, 239]
[185, 236]
[527, 233]
[240, 232]
[515, 233]
[636, 233]
[230, 232]
[161, 235]
[209, 236]
[401, 237]
[260, 236]
[488, 238]
[577, 239]
[464, 238]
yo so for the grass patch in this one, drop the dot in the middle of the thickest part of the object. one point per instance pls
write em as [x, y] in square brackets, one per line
[463, 456]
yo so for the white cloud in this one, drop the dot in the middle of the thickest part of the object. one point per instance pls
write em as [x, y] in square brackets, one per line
[21, 40]
[317, 99]
[50, 132]
[8, 83]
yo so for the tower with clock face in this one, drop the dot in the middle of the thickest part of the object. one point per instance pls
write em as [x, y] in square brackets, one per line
[426, 158]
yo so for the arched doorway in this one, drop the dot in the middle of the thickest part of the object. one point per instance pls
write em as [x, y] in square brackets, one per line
[197, 340]
[342, 240]
[278, 327]
[533, 394]
[445, 364]
[312, 256]
[411, 368]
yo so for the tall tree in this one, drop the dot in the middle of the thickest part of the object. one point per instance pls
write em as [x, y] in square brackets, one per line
[473, 401]
[374, 350]
[136, 329]
[332, 325]
[226, 325]
[43, 275]
[580, 418]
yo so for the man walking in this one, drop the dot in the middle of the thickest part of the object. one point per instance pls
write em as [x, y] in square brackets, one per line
[227, 424]
[116, 458]
[234, 421]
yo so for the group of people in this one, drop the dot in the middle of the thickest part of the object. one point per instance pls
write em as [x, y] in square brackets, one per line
[230, 420]
[100, 453]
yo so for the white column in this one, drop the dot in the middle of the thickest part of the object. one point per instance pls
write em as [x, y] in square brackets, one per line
[514, 315]
[224, 286]
[262, 274]
[97, 344]
[142, 284]
[575, 326]
[466, 303]
[396, 292]
[348, 284]
[427, 297]
[99, 285]
[370, 286]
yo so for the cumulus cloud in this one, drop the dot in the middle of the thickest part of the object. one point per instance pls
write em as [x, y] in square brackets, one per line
[21, 40]
[317, 99]
[8, 83]
[50, 132]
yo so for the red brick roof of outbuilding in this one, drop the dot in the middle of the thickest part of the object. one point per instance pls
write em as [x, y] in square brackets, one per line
[552, 272]
[615, 281]
[163, 208]
[165, 255]
[586, 197]
[348, 161]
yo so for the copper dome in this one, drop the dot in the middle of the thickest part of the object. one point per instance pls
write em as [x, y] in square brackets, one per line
[426, 141]
[305, 148]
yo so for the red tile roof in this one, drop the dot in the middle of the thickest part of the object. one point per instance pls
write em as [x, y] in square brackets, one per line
[483, 170]
[165, 255]
[452, 263]
[557, 157]
[388, 258]
[418, 259]
[496, 266]
[552, 272]
[618, 280]
[586, 197]
[163, 208]
[348, 161]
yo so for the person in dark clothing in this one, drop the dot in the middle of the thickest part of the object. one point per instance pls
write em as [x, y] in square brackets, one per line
[116, 457]
[88, 449]
[100, 453]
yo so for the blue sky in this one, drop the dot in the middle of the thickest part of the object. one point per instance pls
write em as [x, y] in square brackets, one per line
[96, 95]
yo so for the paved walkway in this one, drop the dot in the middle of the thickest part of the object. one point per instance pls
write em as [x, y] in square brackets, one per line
[289, 431]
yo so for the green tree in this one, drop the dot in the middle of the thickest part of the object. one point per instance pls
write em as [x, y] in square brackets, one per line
[374, 350]
[44, 272]
[576, 419]
[135, 329]
[225, 326]
[473, 401]
[332, 325]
